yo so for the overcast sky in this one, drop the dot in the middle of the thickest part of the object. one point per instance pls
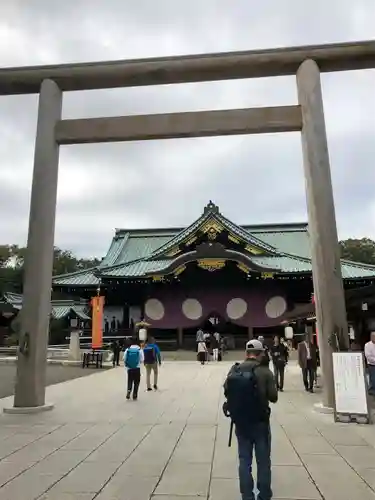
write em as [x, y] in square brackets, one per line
[253, 179]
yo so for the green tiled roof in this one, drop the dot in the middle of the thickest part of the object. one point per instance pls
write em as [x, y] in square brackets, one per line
[292, 239]
[80, 278]
[138, 268]
[139, 252]
[356, 270]
[59, 308]
[284, 263]
[293, 264]
[14, 299]
[60, 311]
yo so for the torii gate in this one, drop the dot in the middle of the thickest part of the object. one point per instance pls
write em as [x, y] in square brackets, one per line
[307, 116]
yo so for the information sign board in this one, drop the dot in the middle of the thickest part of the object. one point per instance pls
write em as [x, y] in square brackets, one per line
[351, 399]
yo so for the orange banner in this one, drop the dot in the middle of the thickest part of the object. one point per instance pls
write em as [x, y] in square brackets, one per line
[97, 304]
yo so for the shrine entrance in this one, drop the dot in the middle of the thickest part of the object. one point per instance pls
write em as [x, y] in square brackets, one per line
[235, 335]
[306, 116]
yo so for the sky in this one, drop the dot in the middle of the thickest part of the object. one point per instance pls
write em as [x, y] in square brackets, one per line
[253, 179]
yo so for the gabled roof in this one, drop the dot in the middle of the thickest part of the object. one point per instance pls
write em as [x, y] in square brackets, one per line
[141, 252]
[59, 308]
[211, 214]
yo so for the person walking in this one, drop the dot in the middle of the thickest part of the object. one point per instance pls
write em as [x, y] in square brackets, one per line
[116, 349]
[202, 352]
[279, 354]
[249, 388]
[199, 336]
[370, 360]
[215, 343]
[133, 359]
[266, 354]
[307, 360]
[152, 361]
[207, 341]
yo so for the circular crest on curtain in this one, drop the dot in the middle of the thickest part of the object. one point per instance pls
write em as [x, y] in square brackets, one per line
[276, 307]
[192, 309]
[154, 309]
[236, 308]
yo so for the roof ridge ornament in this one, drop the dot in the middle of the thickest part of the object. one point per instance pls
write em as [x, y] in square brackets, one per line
[211, 208]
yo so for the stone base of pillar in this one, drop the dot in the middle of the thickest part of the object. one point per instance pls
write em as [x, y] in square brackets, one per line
[15, 410]
[320, 408]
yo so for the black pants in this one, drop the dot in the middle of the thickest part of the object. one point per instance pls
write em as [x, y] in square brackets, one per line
[279, 370]
[308, 375]
[134, 379]
[116, 358]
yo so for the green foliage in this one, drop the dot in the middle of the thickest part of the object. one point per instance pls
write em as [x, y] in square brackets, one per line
[12, 260]
[358, 250]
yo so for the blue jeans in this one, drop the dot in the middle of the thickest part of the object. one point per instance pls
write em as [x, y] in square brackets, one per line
[371, 374]
[257, 438]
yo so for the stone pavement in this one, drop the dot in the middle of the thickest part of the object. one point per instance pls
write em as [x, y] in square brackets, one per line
[172, 444]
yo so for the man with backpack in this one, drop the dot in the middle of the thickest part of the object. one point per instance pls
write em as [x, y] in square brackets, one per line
[249, 388]
[152, 361]
[133, 358]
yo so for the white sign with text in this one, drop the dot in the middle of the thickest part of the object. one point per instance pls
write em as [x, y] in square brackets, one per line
[350, 383]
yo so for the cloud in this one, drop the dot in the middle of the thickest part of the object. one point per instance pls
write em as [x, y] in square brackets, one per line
[161, 183]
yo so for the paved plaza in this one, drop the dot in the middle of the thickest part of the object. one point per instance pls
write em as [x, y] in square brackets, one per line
[173, 443]
[55, 374]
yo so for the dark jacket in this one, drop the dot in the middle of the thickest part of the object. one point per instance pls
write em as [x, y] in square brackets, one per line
[279, 354]
[265, 378]
[302, 355]
[265, 359]
[214, 342]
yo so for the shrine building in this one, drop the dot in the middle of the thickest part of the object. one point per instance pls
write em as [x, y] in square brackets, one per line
[243, 280]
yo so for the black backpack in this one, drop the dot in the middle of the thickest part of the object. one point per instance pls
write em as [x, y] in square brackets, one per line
[149, 355]
[245, 404]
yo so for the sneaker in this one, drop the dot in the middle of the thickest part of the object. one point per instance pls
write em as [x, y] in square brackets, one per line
[155, 387]
[135, 397]
[128, 395]
[149, 389]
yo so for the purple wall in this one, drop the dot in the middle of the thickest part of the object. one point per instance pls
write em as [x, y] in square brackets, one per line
[261, 306]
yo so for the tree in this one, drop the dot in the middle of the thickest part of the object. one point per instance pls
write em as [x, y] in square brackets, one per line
[12, 260]
[4, 254]
[358, 250]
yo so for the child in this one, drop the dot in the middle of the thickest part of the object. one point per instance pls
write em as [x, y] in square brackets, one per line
[133, 358]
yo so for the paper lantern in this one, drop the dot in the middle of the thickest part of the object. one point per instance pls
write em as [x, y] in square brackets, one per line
[142, 334]
[288, 332]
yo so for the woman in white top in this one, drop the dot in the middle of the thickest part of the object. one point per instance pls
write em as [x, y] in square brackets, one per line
[202, 352]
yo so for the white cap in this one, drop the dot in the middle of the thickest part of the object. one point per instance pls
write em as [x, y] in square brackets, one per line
[254, 345]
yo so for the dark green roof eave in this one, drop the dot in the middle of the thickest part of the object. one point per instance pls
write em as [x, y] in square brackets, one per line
[76, 273]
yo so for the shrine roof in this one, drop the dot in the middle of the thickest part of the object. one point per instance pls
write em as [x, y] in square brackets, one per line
[138, 252]
[59, 308]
